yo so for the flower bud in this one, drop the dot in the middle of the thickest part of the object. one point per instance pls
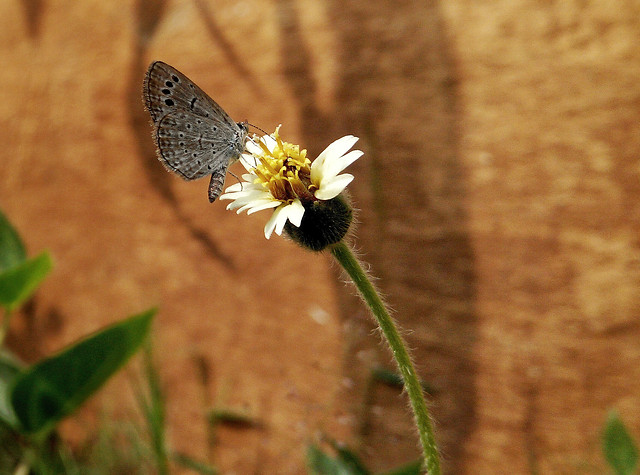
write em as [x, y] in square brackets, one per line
[324, 223]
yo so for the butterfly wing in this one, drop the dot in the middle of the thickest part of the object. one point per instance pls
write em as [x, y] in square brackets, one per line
[194, 146]
[194, 135]
[166, 90]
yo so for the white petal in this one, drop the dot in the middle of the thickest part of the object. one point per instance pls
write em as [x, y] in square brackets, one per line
[334, 187]
[251, 202]
[239, 203]
[248, 193]
[270, 142]
[334, 151]
[336, 148]
[271, 224]
[334, 166]
[251, 188]
[259, 206]
[232, 189]
[242, 206]
[296, 211]
[268, 228]
[292, 212]
[242, 199]
[253, 148]
[243, 185]
[282, 218]
[249, 162]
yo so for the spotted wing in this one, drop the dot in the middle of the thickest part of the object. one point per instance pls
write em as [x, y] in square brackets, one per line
[194, 146]
[167, 90]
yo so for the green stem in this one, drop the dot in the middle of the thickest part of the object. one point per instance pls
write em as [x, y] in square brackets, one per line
[348, 261]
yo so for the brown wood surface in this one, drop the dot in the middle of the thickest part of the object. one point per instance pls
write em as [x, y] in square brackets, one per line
[498, 205]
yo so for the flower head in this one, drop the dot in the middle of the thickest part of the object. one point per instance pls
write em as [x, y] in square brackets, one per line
[279, 175]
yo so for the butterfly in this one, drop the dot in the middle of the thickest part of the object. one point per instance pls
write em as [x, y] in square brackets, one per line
[195, 137]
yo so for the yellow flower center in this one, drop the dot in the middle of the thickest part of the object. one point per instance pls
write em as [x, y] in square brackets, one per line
[284, 171]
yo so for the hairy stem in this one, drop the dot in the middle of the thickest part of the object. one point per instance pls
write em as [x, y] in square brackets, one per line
[348, 261]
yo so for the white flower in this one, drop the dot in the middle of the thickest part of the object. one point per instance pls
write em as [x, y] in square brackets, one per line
[279, 175]
[334, 159]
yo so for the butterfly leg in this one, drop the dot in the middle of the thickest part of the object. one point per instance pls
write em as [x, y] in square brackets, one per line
[236, 177]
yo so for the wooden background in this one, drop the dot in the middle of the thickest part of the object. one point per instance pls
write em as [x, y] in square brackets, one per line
[499, 200]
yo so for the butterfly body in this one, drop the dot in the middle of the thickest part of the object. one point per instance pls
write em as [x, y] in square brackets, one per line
[194, 135]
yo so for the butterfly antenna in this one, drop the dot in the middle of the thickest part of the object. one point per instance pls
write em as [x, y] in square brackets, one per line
[256, 127]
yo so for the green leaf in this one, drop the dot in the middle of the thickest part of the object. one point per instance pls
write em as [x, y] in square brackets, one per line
[192, 464]
[345, 464]
[12, 250]
[154, 409]
[322, 464]
[55, 387]
[18, 283]
[10, 367]
[618, 446]
[12, 450]
[350, 459]
[413, 468]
